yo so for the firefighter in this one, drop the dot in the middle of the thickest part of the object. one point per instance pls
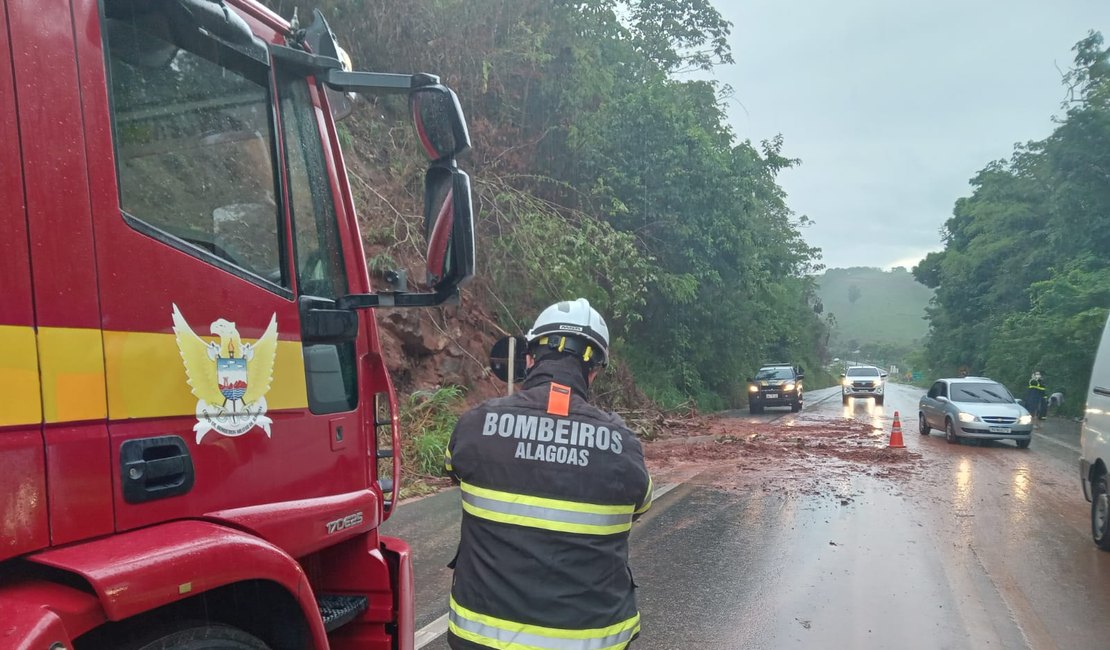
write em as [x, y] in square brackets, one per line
[1035, 396]
[550, 487]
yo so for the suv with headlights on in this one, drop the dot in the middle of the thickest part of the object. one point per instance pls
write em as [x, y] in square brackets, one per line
[777, 384]
[863, 381]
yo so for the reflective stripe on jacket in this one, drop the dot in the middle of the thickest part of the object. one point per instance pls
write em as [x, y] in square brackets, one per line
[550, 488]
[494, 632]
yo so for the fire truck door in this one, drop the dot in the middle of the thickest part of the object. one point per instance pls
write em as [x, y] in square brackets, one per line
[209, 402]
[23, 481]
[55, 160]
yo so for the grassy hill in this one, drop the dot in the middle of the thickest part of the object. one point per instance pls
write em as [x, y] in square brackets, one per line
[873, 306]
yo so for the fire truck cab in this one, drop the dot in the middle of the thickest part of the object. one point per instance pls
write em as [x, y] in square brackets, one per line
[197, 429]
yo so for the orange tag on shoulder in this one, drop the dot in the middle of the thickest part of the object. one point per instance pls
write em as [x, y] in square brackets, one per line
[558, 400]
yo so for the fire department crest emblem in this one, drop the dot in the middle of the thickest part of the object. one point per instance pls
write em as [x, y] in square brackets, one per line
[230, 378]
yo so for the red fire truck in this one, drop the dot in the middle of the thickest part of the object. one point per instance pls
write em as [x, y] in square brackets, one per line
[196, 424]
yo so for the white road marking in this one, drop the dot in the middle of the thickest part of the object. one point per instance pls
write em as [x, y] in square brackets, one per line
[1057, 442]
[663, 489]
[431, 632]
[438, 627]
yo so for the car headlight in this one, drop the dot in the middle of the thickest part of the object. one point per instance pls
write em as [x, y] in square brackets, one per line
[967, 417]
[753, 389]
[788, 387]
[846, 382]
[1025, 419]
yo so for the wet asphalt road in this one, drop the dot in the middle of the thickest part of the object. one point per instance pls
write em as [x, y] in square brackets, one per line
[984, 547]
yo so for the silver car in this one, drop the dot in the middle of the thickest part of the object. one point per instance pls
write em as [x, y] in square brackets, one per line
[974, 407]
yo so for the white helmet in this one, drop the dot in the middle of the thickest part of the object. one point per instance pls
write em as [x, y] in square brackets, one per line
[561, 324]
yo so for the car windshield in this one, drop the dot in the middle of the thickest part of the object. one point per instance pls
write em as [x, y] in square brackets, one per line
[775, 373]
[980, 393]
[863, 372]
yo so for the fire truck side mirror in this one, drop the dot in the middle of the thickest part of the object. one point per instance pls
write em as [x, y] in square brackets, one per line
[449, 227]
[439, 121]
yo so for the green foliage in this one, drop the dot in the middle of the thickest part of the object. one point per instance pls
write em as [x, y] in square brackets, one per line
[600, 174]
[1058, 335]
[381, 263]
[546, 253]
[1023, 279]
[677, 34]
[345, 139]
[428, 417]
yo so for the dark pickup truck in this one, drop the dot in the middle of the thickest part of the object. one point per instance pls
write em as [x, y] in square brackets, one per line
[777, 384]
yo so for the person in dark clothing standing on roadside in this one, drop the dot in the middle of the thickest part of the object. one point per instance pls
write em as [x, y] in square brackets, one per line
[1035, 396]
[550, 487]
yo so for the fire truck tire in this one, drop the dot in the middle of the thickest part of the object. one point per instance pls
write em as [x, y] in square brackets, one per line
[200, 636]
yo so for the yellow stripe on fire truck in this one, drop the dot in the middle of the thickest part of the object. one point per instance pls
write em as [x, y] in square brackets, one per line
[19, 376]
[61, 374]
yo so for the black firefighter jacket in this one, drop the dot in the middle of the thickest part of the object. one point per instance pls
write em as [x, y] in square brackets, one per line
[550, 486]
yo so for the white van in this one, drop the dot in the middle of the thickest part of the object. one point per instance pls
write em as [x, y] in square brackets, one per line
[1095, 443]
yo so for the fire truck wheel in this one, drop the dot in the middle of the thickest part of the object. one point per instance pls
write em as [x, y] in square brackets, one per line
[200, 636]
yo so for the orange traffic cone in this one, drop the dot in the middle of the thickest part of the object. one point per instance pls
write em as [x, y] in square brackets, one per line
[896, 433]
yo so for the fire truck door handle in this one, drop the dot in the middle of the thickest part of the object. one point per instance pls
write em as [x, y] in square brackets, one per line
[155, 468]
[386, 484]
[385, 414]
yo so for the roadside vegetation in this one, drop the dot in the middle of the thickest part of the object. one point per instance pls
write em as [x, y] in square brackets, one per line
[602, 169]
[1023, 282]
[428, 417]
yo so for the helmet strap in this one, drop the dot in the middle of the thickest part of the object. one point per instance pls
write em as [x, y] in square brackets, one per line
[581, 349]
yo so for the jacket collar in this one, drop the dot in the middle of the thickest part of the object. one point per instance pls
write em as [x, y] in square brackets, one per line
[564, 369]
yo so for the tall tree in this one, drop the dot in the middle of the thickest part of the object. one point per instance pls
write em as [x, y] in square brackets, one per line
[1021, 280]
[600, 172]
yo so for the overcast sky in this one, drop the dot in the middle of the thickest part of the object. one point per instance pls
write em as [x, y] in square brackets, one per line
[893, 105]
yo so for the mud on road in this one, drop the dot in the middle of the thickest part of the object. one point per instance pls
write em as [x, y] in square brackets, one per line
[806, 454]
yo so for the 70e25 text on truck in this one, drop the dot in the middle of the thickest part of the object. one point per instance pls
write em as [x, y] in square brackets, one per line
[197, 430]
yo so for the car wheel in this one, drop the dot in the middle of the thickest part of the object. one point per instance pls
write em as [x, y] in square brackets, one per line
[922, 425]
[1024, 444]
[755, 409]
[796, 406]
[1100, 513]
[879, 400]
[950, 432]
[844, 400]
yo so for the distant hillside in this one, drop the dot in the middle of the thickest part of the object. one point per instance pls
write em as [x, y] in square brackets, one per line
[873, 306]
